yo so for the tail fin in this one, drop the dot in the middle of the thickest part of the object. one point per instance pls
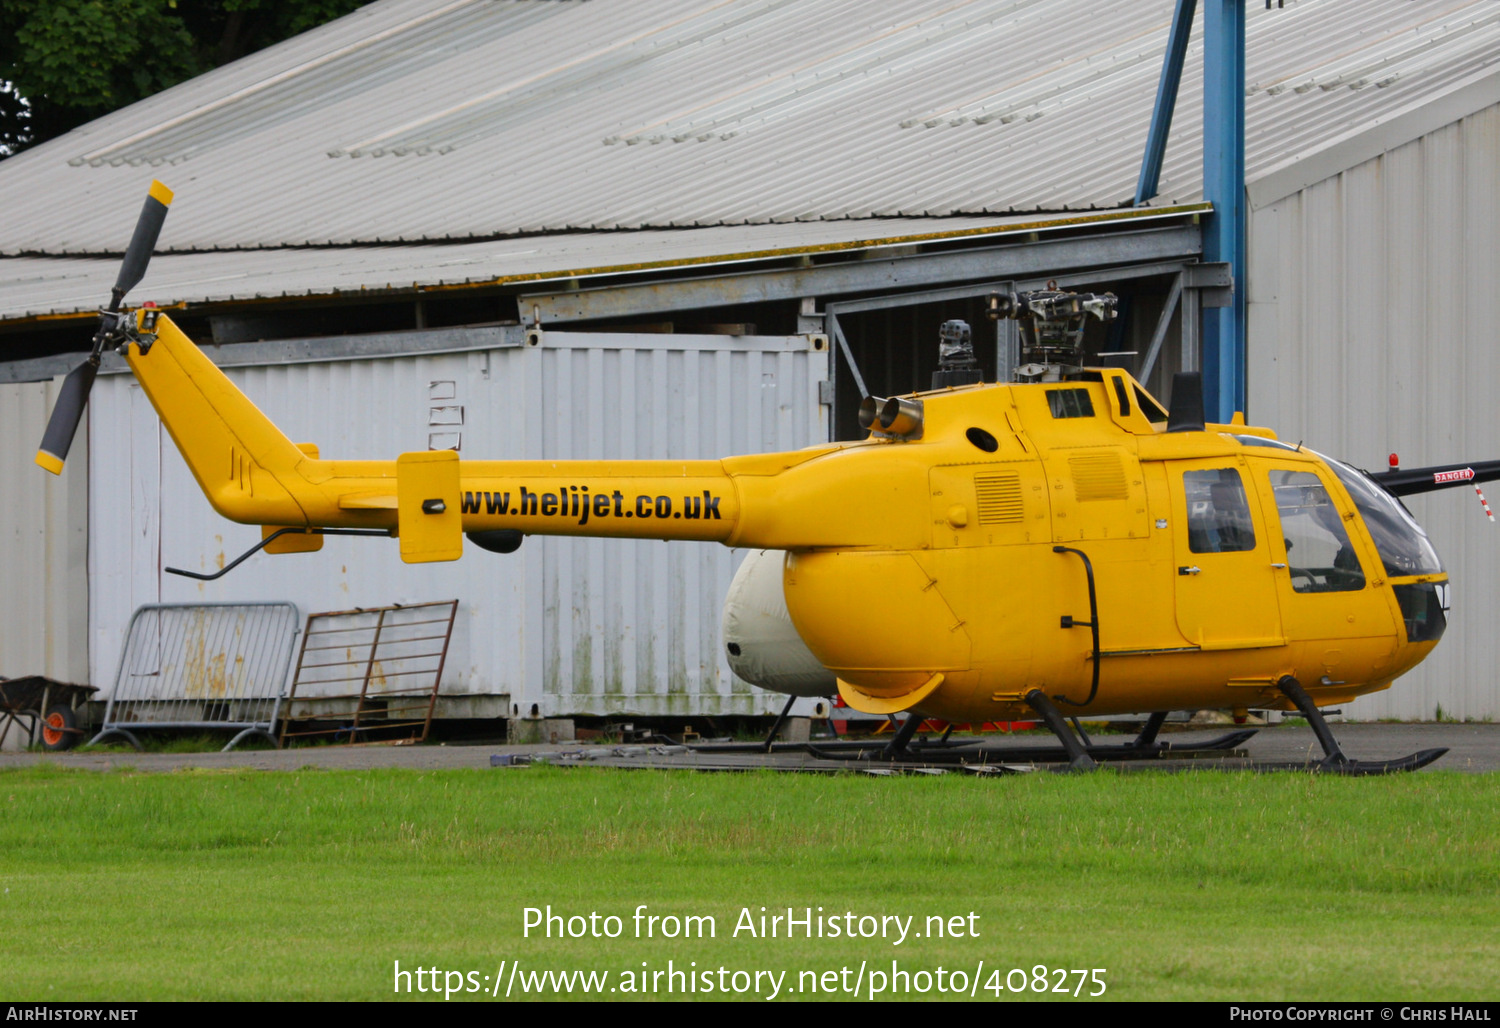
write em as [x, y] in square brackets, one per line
[245, 465]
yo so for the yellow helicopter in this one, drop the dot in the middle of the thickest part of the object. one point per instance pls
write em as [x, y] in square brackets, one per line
[1056, 547]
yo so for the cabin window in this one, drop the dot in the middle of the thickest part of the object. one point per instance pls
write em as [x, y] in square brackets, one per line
[1154, 411]
[1272, 444]
[1070, 403]
[1218, 513]
[1318, 554]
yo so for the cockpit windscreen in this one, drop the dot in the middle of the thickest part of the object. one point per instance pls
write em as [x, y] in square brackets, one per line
[1404, 547]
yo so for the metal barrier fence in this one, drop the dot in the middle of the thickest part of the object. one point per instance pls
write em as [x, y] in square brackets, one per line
[203, 665]
[370, 674]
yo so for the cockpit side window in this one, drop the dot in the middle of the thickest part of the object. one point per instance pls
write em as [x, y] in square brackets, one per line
[1147, 403]
[1070, 403]
[1218, 514]
[1319, 556]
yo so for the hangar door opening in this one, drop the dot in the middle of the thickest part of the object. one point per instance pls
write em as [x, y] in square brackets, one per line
[894, 340]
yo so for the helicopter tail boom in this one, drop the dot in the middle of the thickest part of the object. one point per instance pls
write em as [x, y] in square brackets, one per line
[251, 472]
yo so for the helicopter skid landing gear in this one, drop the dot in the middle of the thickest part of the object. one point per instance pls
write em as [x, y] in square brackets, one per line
[776, 725]
[1078, 757]
[1334, 759]
[1147, 738]
[896, 748]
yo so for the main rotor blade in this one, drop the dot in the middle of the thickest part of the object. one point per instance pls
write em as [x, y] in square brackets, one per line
[147, 228]
[66, 416]
[1411, 481]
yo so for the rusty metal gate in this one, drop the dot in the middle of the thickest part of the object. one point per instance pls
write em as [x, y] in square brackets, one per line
[370, 674]
[203, 665]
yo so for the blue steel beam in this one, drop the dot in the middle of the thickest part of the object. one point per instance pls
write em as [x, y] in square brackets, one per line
[1224, 187]
[1166, 101]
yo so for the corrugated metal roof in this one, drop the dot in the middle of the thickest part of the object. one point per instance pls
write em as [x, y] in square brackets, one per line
[423, 120]
[50, 286]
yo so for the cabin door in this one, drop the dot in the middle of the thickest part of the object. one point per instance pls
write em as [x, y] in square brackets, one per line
[1327, 585]
[1225, 585]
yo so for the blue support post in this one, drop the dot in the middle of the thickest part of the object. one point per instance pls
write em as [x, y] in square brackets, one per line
[1166, 101]
[1224, 187]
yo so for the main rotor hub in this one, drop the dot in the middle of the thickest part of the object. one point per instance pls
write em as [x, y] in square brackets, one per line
[1052, 323]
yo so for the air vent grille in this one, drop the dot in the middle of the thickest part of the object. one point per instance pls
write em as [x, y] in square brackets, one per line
[999, 498]
[1099, 476]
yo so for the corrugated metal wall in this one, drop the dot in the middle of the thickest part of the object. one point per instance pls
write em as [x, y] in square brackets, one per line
[570, 625]
[1374, 317]
[43, 545]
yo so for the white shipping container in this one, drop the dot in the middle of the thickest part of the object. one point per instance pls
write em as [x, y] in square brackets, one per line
[43, 544]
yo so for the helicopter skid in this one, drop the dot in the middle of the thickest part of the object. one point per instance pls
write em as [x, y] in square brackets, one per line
[924, 749]
[1355, 768]
[978, 751]
[975, 756]
[1412, 762]
[970, 758]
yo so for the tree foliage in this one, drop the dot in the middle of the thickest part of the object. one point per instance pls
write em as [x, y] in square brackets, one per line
[66, 62]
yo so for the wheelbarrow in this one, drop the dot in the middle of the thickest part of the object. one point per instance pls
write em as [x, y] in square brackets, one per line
[50, 708]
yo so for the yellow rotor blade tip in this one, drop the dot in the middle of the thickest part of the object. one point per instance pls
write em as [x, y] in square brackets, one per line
[48, 462]
[161, 194]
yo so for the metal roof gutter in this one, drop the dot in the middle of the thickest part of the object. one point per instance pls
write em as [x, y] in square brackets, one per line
[210, 292]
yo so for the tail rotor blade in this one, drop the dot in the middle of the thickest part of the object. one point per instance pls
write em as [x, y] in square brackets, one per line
[147, 228]
[74, 396]
[66, 416]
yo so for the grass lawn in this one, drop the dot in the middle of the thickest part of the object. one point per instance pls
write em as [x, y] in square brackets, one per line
[310, 885]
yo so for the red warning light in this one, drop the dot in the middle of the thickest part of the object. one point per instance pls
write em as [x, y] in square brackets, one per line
[1395, 462]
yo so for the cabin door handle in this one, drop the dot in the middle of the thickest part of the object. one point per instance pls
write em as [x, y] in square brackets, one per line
[1193, 570]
